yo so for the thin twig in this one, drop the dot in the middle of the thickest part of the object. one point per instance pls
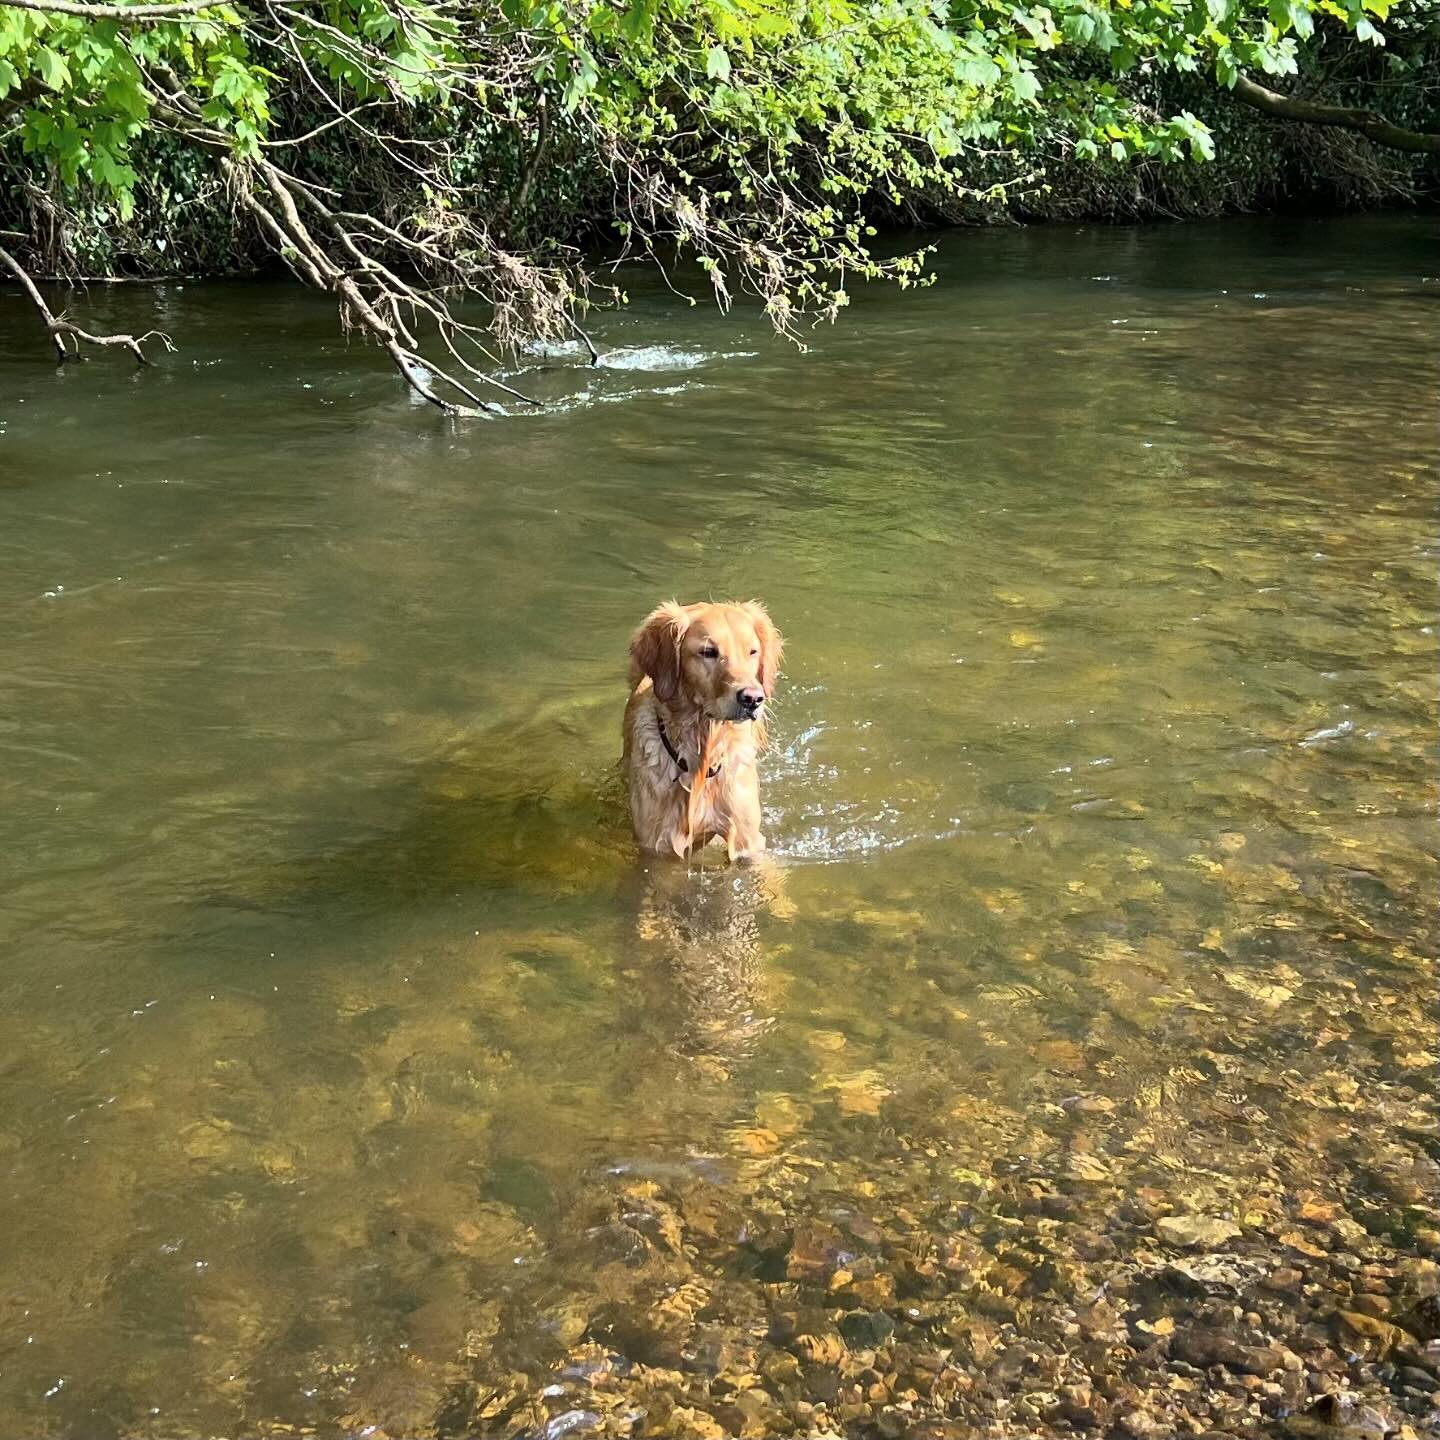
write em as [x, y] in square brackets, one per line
[406, 359]
[487, 379]
[341, 119]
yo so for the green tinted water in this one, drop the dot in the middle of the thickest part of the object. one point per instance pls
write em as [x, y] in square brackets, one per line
[347, 1037]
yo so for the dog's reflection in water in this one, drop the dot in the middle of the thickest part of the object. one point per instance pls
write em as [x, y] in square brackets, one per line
[699, 927]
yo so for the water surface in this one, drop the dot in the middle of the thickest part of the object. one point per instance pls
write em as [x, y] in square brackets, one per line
[356, 1071]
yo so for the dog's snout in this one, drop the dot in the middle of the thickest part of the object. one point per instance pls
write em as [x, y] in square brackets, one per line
[751, 698]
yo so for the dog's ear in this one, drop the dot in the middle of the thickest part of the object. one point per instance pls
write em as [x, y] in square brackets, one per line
[772, 645]
[655, 649]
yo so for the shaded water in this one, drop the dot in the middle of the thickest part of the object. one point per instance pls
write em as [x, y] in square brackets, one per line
[356, 1072]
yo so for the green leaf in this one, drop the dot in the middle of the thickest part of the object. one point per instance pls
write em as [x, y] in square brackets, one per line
[584, 77]
[1024, 86]
[717, 63]
[977, 70]
[638, 23]
[52, 69]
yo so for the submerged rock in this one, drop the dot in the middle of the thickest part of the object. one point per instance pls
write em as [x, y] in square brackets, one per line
[865, 1329]
[1193, 1231]
[1422, 1319]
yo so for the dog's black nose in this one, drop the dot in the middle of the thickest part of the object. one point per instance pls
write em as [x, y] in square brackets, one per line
[751, 699]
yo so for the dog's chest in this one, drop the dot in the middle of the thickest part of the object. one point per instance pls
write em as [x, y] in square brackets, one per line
[686, 807]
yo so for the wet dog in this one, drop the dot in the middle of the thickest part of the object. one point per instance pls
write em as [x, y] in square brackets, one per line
[701, 677]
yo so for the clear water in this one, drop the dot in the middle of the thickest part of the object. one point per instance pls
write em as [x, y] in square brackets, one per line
[339, 1010]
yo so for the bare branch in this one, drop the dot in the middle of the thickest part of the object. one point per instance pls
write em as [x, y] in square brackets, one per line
[407, 360]
[58, 327]
[345, 117]
[282, 221]
[36, 298]
[585, 338]
[132, 343]
[480, 374]
[1364, 122]
[417, 373]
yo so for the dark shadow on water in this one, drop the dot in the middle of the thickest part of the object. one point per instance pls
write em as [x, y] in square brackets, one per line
[473, 827]
[462, 824]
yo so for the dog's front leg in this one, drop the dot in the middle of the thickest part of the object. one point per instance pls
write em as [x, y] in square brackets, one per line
[743, 839]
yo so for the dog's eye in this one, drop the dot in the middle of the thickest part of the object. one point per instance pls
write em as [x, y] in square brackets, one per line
[709, 652]
[754, 652]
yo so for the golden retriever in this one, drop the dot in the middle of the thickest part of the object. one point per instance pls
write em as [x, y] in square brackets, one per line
[701, 677]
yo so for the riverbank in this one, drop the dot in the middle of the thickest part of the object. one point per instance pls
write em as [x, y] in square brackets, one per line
[183, 226]
[1239, 1247]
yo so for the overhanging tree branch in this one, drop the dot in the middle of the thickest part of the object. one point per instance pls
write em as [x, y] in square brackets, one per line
[59, 328]
[1363, 122]
[402, 132]
[119, 12]
[377, 311]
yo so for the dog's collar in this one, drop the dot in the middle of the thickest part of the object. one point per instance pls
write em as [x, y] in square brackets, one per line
[678, 758]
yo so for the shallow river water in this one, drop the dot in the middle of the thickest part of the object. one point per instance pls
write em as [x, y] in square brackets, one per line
[359, 1079]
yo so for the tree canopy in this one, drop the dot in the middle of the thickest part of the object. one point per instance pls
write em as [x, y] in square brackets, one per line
[405, 154]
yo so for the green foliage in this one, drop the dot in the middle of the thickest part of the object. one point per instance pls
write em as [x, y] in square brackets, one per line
[758, 135]
[1082, 59]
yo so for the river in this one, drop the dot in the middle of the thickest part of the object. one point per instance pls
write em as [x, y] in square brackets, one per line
[358, 1074]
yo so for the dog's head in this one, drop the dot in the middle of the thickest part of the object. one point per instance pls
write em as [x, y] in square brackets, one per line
[723, 660]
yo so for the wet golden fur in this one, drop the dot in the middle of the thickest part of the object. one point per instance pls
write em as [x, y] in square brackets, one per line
[689, 664]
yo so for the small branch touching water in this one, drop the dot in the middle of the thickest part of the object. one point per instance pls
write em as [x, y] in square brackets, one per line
[59, 328]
